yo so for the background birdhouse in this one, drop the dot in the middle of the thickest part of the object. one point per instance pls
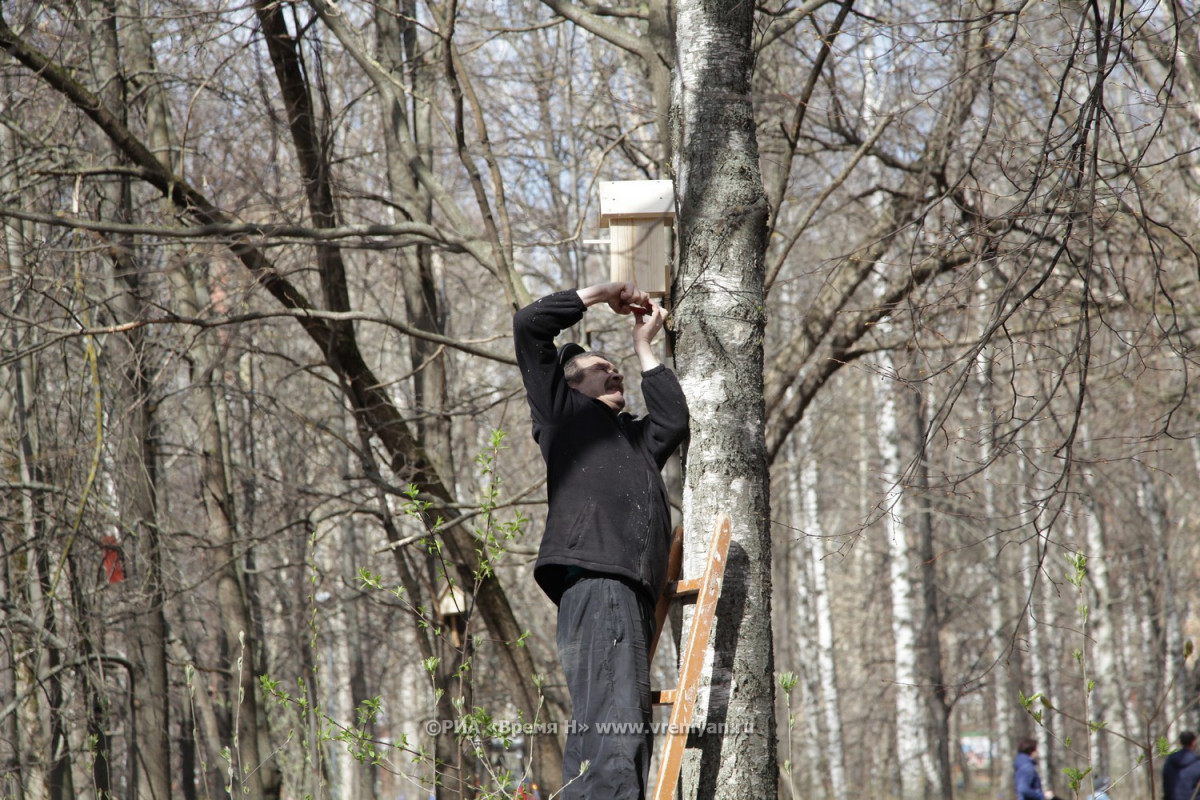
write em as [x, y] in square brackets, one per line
[451, 604]
[637, 214]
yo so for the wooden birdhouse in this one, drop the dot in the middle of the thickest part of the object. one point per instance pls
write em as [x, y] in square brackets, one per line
[451, 606]
[637, 214]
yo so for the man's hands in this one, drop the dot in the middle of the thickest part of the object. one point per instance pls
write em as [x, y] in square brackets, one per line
[647, 324]
[623, 298]
[645, 327]
[626, 298]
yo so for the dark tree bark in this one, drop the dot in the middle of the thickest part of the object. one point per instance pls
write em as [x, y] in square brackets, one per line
[137, 453]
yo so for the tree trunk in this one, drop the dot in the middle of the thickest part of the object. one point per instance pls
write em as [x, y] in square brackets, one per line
[929, 631]
[833, 746]
[251, 776]
[44, 743]
[251, 726]
[801, 612]
[351, 646]
[29, 731]
[719, 320]
[60, 782]
[1109, 754]
[912, 744]
[402, 55]
[1036, 618]
[1174, 684]
[1004, 691]
[137, 457]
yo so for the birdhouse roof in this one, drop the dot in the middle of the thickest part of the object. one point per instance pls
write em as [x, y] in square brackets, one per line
[451, 600]
[636, 200]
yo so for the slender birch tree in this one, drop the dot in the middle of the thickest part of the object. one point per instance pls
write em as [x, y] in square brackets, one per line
[801, 611]
[718, 299]
[828, 696]
[916, 777]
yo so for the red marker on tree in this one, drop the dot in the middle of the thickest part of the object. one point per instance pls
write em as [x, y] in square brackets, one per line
[113, 568]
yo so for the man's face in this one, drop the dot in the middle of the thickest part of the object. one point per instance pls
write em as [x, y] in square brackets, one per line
[599, 379]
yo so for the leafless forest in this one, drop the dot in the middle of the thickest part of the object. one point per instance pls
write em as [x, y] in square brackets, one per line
[270, 503]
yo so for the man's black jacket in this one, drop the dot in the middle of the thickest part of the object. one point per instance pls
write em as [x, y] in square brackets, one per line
[608, 505]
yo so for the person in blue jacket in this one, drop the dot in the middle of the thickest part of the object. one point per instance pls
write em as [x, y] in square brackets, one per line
[1025, 775]
[603, 556]
[1101, 785]
[1173, 783]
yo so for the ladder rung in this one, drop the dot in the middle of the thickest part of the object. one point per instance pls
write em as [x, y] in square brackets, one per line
[685, 588]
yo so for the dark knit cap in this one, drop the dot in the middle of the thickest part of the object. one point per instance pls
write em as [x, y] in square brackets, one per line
[569, 351]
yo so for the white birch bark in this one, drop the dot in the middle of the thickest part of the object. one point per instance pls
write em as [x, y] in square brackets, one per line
[343, 769]
[918, 774]
[826, 659]
[1037, 616]
[806, 626]
[911, 741]
[1143, 650]
[1003, 696]
[912, 746]
[719, 322]
[1109, 756]
[1174, 672]
[1054, 647]
[1029, 568]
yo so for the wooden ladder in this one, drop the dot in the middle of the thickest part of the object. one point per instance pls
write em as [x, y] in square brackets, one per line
[706, 590]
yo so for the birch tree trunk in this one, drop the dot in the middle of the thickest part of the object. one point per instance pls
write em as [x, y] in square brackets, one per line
[719, 322]
[351, 645]
[1049, 752]
[1038, 673]
[999, 599]
[1109, 755]
[803, 615]
[929, 646]
[918, 774]
[1174, 682]
[831, 713]
[912, 742]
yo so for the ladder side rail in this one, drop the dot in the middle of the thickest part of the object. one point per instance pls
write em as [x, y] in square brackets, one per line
[693, 662]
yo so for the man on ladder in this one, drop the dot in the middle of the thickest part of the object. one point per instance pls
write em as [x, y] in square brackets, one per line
[603, 557]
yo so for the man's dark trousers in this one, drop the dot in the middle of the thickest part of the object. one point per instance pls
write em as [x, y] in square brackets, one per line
[604, 630]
